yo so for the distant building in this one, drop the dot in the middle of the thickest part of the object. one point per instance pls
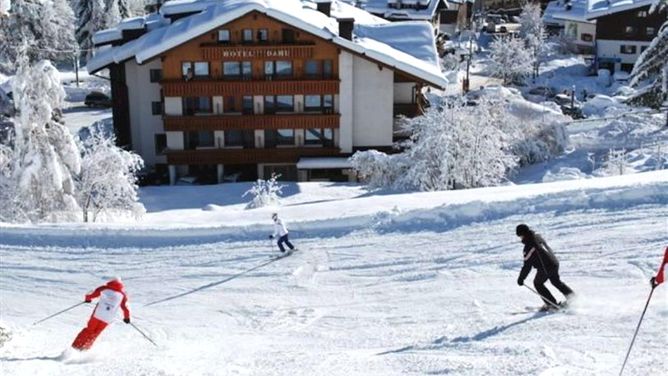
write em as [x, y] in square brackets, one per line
[456, 17]
[624, 29]
[403, 10]
[569, 18]
[243, 89]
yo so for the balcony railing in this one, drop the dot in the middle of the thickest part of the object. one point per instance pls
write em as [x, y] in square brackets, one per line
[237, 122]
[210, 88]
[257, 51]
[246, 156]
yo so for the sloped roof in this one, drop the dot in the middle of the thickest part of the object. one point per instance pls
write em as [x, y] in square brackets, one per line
[382, 8]
[559, 11]
[600, 8]
[387, 46]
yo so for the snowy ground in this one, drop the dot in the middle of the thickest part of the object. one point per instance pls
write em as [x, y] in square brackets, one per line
[408, 284]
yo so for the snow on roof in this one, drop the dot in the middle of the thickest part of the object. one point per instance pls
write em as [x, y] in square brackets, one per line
[388, 45]
[134, 23]
[382, 7]
[600, 8]
[323, 163]
[559, 11]
[404, 36]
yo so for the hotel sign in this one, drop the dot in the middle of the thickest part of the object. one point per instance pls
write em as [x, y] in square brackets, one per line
[257, 52]
[264, 53]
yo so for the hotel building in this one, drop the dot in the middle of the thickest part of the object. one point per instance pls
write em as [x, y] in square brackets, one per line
[227, 90]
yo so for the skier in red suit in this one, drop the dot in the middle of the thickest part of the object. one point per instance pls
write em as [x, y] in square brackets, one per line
[112, 296]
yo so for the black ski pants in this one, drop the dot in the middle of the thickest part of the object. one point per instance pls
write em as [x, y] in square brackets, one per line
[284, 239]
[553, 275]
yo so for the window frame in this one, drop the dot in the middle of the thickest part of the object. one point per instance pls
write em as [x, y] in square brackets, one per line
[229, 36]
[323, 140]
[201, 63]
[628, 49]
[155, 75]
[247, 32]
[158, 141]
[232, 76]
[157, 105]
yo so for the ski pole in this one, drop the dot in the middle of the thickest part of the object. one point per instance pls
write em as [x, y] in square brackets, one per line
[636, 333]
[58, 313]
[544, 299]
[143, 334]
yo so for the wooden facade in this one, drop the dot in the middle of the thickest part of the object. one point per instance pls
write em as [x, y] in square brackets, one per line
[302, 46]
[248, 122]
[631, 25]
[246, 156]
[209, 88]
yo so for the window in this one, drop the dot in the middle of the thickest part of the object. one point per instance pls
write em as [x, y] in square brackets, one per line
[629, 30]
[231, 104]
[279, 137]
[328, 104]
[312, 68]
[642, 49]
[224, 36]
[312, 103]
[587, 37]
[269, 105]
[327, 70]
[201, 69]
[627, 68]
[650, 31]
[187, 70]
[288, 35]
[269, 69]
[262, 35]
[156, 108]
[160, 143]
[196, 105]
[283, 68]
[240, 138]
[247, 35]
[324, 137]
[627, 49]
[246, 70]
[285, 103]
[641, 14]
[199, 139]
[231, 69]
[247, 103]
[156, 75]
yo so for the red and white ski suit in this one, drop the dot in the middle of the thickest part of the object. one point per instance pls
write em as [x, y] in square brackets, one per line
[112, 296]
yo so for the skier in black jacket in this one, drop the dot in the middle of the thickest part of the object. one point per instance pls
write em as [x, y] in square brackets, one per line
[539, 255]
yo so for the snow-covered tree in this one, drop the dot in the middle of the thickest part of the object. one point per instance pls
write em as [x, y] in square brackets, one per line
[455, 146]
[44, 156]
[651, 68]
[90, 19]
[617, 162]
[108, 179]
[264, 192]
[46, 26]
[532, 30]
[512, 62]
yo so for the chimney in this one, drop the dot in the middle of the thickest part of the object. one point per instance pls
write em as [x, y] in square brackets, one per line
[324, 7]
[346, 26]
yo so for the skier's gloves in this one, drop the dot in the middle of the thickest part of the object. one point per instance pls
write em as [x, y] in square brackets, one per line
[520, 282]
[652, 282]
[87, 301]
[127, 321]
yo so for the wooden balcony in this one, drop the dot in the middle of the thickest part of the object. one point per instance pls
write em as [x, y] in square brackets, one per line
[210, 88]
[239, 52]
[237, 122]
[246, 156]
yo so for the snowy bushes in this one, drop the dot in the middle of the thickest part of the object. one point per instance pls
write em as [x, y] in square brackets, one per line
[108, 177]
[512, 62]
[43, 159]
[264, 192]
[42, 174]
[457, 146]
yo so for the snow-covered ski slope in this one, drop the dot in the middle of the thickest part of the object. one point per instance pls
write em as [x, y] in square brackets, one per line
[391, 284]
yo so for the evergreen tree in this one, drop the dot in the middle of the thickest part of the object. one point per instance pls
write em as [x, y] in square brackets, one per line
[651, 68]
[90, 18]
[45, 27]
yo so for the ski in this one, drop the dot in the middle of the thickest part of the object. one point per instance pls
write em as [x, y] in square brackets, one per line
[286, 254]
